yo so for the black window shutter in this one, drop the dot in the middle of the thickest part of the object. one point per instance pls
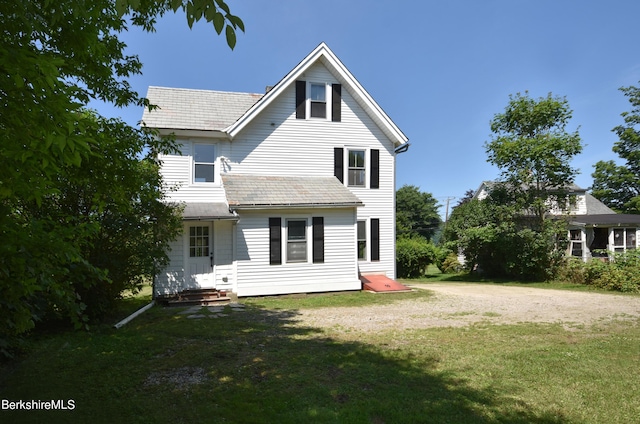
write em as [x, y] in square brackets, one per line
[318, 240]
[375, 239]
[301, 97]
[375, 168]
[338, 163]
[336, 104]
[275, 243]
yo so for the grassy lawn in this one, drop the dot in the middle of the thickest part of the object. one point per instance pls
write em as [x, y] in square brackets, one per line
[258, 366]
[433, 275]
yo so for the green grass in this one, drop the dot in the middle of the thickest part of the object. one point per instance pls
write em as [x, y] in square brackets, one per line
[433, 275]
[258, 366]
[339, 299]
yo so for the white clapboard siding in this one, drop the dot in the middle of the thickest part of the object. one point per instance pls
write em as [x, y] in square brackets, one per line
[276, 143]
[255, 276]
[176, 172]
[223, 255]
[171, 279]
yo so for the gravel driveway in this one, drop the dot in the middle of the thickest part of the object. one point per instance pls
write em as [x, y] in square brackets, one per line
[460, 304]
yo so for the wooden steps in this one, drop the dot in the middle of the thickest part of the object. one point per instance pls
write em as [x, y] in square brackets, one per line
[192, 297]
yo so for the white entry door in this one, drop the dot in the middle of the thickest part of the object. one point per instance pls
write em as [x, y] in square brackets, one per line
[200, 255]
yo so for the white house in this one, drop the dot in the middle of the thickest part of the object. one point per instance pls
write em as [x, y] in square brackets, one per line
[594, 228]
[289, 191]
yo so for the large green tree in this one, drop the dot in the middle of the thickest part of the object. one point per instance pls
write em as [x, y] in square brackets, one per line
[81, 211]
[416, 213]
[618, 186]
[533, 150]
[508, 234]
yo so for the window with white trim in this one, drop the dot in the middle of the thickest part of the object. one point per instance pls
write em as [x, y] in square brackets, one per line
[204, 158]
[317, 100]
[575, 237]
[624, 239]
[356, 168]
[362, 240]
[296, 240]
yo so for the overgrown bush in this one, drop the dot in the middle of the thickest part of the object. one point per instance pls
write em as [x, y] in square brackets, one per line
[413, 255]
[620, 273]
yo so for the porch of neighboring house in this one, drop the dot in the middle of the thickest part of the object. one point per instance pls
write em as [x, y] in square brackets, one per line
[596, 236]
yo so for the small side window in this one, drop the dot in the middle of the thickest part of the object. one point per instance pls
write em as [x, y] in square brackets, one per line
[362, 240]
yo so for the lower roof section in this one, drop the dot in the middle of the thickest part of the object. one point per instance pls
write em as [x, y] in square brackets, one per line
[608, 220]
[272, 192]
[207, 211]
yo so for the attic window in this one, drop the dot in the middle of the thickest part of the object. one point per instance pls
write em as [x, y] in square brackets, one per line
[318, 101]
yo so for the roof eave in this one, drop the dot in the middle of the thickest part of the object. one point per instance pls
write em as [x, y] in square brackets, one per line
[185, 132]
[296, 205]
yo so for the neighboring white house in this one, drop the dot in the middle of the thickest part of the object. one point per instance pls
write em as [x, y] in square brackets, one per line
[594, 228]
[289, 191]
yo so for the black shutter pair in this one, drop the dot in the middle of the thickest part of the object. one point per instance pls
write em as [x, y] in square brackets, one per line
[275, 240]
[374, 168]
[336, 101]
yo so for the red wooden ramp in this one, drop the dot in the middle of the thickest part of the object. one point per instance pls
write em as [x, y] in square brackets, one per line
[381, 283]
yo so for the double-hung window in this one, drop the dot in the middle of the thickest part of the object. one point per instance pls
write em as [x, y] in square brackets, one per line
[357, 170]
[204, 158]
[318, 100]
[296, 240]
[362, 240]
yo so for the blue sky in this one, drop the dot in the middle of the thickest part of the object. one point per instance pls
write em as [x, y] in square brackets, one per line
[440, 69]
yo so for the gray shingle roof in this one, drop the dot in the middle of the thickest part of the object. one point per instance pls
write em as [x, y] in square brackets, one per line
[195, 211]
[181, 108]
[607, 219]
[256, 192]
[596, 207]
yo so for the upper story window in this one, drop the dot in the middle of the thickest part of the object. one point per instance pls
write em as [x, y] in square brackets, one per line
[358, 163]
[204, 158]
[357, 170]
[318, 101]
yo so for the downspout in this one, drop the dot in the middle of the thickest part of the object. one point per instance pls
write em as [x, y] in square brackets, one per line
[396, 151]
[135, 314]
[402, 148]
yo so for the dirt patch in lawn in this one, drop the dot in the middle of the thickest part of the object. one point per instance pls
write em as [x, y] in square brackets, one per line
[459, 304]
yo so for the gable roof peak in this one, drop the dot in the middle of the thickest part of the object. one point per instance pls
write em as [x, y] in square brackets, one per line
[324, 54]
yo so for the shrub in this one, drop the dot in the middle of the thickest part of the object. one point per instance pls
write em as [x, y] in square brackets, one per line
[572, 270]
[621, 273]
[413, 255]
[450, 264]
